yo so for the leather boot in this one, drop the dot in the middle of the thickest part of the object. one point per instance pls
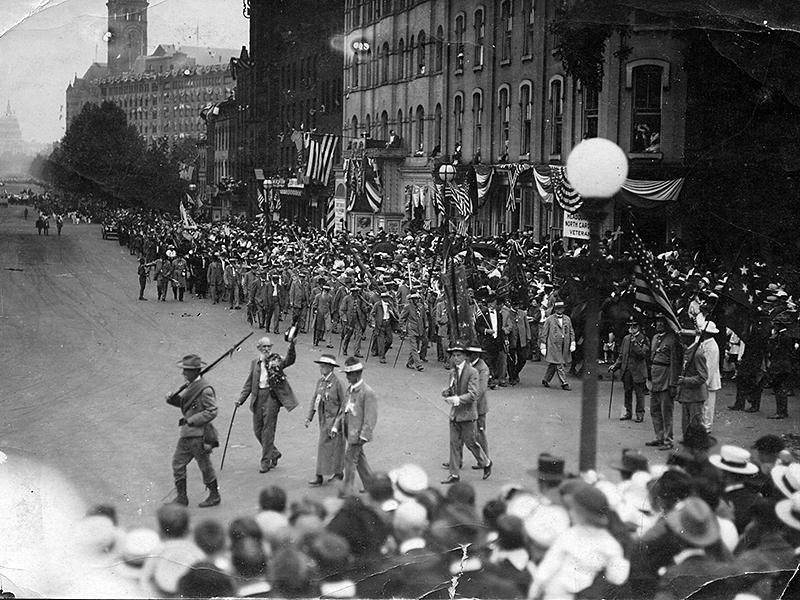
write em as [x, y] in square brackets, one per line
[182, 498]
[213, 496]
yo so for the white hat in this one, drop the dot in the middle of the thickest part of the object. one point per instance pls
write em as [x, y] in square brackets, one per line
[546, 523]
[410, 515]
[733, 459]
[788, 510]
[409, 480]
[787, 478]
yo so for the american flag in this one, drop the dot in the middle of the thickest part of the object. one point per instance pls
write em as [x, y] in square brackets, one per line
[262, 199]
[649, 289]
[321, 149]
[330, 217]
[372, 185]
[513, 175]
[438, 198]
[459, 192]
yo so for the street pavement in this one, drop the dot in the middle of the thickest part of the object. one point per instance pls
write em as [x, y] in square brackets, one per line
[85, 367]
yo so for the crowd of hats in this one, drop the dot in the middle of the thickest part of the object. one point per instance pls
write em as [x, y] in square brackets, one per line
[309, 545]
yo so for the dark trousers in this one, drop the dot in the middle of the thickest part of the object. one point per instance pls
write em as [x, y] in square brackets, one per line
[142, 286]
[691, 412]
[661, 408]
[496, 360]
[631, 387]
[464, 433]
[383, 338]
[348, 332]
[780, 387]
[265, 421]
[161, 287]
[189, 448]
[517, 357]
[555, 369]
[355, 461]
[480, 434]
[273, 317]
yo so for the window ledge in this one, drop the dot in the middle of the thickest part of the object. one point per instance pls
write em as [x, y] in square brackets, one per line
[646, 155]
[555, 158]
[505, 62]
[477, 68]
[458, 71]
[527, 57]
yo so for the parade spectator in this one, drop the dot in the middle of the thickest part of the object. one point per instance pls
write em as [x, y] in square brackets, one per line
[556, 344]
[710, 350]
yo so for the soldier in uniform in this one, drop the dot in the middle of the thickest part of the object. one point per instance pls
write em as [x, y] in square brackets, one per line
[632, 364]
[414, 322]
[328, 397]
[321, 308]
[665, 367]
[353, 313]
[298, 301]
[163, 275]
[197, 434]
[180, 269]
[780, 350]
[215, 279]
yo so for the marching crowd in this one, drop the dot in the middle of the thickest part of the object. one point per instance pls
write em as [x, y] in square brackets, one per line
[712, 522]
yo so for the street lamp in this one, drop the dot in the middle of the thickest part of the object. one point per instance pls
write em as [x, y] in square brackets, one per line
[447, 172]
[596, 168]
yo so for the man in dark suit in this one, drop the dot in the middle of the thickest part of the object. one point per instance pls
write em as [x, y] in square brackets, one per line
[382, 317]
[632, 365]
[692, 388]
[489, 326]
[462, 396]
[736, 470]
[356, 420]
[268, 389]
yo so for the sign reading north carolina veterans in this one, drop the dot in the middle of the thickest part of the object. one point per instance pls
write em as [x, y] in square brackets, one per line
[575, 226]
[340, 210]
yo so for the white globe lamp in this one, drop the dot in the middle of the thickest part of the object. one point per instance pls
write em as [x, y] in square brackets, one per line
[447, 173]
[597, 168]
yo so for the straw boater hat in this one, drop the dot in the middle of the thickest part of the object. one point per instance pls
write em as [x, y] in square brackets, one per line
[734, 460]
[788, 510]
[191, 361]
[352, 364]
[327, 359]
[459, 346]
[475, 349]
[787, 478]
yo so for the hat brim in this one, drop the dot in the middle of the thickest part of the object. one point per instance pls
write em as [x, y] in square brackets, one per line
[698, 541]
[748, 469]
[353, 368]
[778, 473]
[457, 349]
[783, 510]
[182, 365]
[323, 361]
[546, 476]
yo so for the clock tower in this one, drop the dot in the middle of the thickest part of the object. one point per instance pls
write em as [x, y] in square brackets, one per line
[127, 34]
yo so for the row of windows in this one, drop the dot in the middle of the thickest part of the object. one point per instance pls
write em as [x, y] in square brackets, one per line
[646, 98]
[363, 12]
[302, 71]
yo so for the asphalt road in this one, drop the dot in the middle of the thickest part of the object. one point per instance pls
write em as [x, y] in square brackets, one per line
[84, 368]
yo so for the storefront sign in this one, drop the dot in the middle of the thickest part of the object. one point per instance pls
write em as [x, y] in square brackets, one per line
[575, 226]
[340, 210]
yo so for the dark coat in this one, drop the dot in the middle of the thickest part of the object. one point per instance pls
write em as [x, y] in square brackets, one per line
[283, 394]
[695, 375]
[359, 422]
[198, 405]
[483, 385]
[633, 357]
[466, 387]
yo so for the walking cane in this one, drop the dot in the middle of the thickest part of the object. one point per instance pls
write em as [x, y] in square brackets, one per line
[369, 347]
[227, 439]
[611, 398]
[399, 349]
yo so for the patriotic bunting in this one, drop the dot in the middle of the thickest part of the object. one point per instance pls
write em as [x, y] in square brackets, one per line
[459, 195]
[321, 150]
[484, 175]
[330, 217]
[438, 198]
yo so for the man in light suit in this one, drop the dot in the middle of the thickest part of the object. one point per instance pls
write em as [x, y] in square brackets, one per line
[557, 343]
[356, 420]
[462, 396]
[268, 389]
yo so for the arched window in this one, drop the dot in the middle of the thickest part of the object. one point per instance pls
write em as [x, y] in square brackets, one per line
[384, 133]
[591, 112]
[401, 58]
[412, 70]
[528, 18]
[480, 37]
[354, 71]
[354, 127]
[437, 131]
[556, 112]
[385, 63]
[505, 24]
[368, 64]
[410, 132]
[421, 53]
[477, 120]
[420, 128]
[439, 49]
[458, 117]
[504, 114]
[647, 82]
[368, 126]
[460, 26]
[525, 115]
[398, 128]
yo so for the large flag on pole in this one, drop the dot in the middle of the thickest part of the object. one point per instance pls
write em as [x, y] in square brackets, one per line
[186, 219]
[649, 288]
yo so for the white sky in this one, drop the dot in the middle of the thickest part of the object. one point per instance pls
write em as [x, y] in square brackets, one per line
[45, 43]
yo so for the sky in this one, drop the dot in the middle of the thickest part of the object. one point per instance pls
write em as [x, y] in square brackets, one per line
[45, 43]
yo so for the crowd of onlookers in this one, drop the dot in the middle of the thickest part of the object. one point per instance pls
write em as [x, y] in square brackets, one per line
[717, 522]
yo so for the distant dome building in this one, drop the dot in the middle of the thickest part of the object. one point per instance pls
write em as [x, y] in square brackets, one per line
[10, 133]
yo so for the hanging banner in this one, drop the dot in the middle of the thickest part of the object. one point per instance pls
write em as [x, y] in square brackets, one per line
[340, 211]
[575, 226]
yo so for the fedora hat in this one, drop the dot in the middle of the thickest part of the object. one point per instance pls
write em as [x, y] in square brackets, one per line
[459, 346]
[592, 503]
[351, 365]
[550, 468]
[734, 460]
[632, 321]
[327, 359]
[191, 361]
[697, 438]
[786, 478]
[631, 462]
[693, 521]
[475, 349]
[788, 510]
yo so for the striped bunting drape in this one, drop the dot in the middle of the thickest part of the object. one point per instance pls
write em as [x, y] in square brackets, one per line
[321, 149]
[330, 216]
[438, 198]
[484, 176]
[459, 193]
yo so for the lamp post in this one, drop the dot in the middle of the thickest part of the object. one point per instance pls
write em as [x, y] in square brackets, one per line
[596, 168]
[447, 173]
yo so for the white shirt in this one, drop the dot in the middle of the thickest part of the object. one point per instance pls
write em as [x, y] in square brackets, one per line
[385, 310]
[493, 319]
[350, 406]
[262, 379]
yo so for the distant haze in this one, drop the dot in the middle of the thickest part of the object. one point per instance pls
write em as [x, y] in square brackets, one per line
[45, 43]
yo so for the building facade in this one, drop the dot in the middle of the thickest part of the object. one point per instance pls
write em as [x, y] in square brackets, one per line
[477, 83]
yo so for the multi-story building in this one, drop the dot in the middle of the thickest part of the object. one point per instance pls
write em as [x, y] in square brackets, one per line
[161, 93]
[477, 82]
